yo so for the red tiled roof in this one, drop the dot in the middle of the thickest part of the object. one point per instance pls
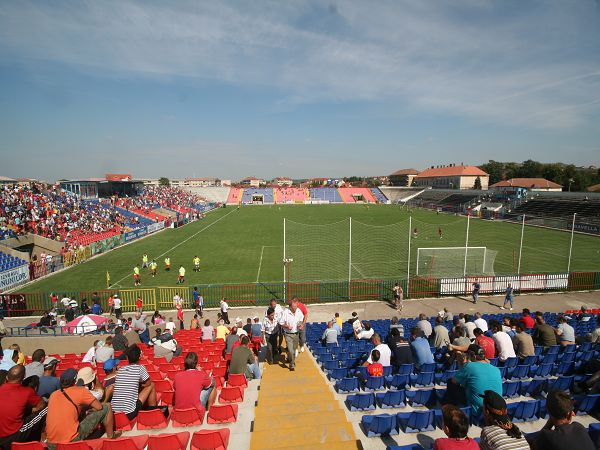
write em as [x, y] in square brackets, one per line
[118, 177]
[405, 172]
[528, 183]
[452, 171]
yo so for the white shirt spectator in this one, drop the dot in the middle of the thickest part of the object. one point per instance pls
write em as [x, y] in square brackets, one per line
[357, 325]
[65, 301]
[385, 355]
[425, 327]
[470, 326]
[291, 320]
[270, 327]
[481, 324]
[365, 334]
[241, 332]
[170, 326]
[90, 356]
[117, 303]
[504, 346]
[176, 300]
[224, 306]
[567, 333]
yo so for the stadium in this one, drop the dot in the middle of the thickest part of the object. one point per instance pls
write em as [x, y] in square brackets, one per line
[299, 225]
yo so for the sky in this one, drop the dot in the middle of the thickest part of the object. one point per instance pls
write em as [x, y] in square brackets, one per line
[295, 88]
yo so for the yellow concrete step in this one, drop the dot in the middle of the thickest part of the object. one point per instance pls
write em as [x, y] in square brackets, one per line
[268, 402]
[309, 438]
[327, 405]
[265, 421]
[340, 445]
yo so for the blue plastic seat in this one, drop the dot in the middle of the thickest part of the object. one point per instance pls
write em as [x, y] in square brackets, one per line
[519, 372]
[374, 384]
[533, 388]
[406, 369]
[511, 362]
[421, 397]
[529, 360]
[443, 378]
[587, 404]
[380, 424]
[526, 411]
[346, 385]
[387, 371]
[553, 350]
[397, 381]
[541, 371]
[361, 402]
[428, 367]
[562, 383]
[549, 358]
[417, 421]
[338, 373]
[423, 379]
[511, 389]
[564, 368]
[405, 447]
[594, 432]
[391, 399]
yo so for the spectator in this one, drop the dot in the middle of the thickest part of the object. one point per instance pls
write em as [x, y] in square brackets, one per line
[476, 376]
[165, 346]
[355, 322]
[504, 344]
[447, 315]
[248, 327]
[170, 327]
[139, 326]
[49, 382]
[499, 433]
[20, 354]
[302, 330]
[36, 366]
[90, 356]
[119, 341]
[400, 349]
[244, 361]
[527, 320]
[440, 333]
[133, 388]
[69, 314]
[456, 427]
[486, 343]
[424, 326]
[480, 322]
[65, 406]
[583, 315]
[106, 351]
[543, 333]
[365, 333]
[385, 354]
[18, 424]
[338, 320]
[194, 324]
[239, 327]
[231, 340]
[460, 340]
[256, 329]
[560, 432]
[208, 332]
[523, 342]
[395, 323]
[9, 359]
[420, 347]
[221, 332]
[3, 374]
[593, 337]
[110, 370]
[564, 332]
[330, 334]
[193, 387]
[374, 367]
[270, 329]
[86, 377]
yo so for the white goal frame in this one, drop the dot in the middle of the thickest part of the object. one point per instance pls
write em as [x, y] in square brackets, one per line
[465, 249]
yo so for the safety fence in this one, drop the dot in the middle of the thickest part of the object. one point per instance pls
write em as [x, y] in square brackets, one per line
[259, 294]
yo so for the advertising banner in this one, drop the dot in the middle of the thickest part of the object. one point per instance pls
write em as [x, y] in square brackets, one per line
[135, 234]
[155, 227]
[14, 277]
[107, 244]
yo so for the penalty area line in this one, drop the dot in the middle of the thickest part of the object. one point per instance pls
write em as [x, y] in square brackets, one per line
[260, 264]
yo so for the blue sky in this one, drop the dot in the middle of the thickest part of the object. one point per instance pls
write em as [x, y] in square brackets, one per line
[295, 88]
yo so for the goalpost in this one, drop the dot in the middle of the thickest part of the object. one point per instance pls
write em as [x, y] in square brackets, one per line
[455, 261]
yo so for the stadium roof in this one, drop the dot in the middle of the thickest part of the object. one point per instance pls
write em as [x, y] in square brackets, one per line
[200, 179]
[531, 183]
[405, 172]
[118, 177]
[452, 171]
[3, 178]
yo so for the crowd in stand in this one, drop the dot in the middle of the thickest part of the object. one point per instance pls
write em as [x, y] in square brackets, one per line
[163, 197]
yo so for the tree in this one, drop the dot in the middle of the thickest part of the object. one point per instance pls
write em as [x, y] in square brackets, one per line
[477, 184]
[494, 169]
[164, 181]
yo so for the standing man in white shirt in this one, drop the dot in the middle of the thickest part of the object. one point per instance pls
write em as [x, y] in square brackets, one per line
[176, 300]
[117, 306]
[224, 309]
[278, 311]
[65, 302]
[291, 322]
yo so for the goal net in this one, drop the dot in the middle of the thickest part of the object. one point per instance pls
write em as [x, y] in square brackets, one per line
[455, 261]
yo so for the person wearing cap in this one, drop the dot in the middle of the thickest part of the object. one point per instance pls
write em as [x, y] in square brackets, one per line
[110, 369]
[49, 382]
[36, 366]
[23, 412]
[560, 432]
[86, 377]
[66, 406]
[456, 427]
[499, 433]
[476, 376]
[240, 331]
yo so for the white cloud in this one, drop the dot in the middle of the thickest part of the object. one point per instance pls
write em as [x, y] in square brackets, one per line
[531, 67]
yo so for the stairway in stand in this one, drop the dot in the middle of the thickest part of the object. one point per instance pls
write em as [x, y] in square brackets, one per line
[297, 410]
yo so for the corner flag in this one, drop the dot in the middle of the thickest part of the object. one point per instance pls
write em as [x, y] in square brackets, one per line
[107, 279]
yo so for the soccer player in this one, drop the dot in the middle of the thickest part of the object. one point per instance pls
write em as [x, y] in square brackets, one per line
[136, 276]
[196, 264]
[144, 261]
[398, 294]
[508, 298]
[415, 233]
[181, 278]
[440, 232]
[167, 264]
[153, 267]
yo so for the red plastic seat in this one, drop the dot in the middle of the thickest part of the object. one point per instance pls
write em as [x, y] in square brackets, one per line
[162, 385]
[186, 417]
[231, 394]
[125, 443]
[122, 423]
[171, 374]
[210, 439]
[78, 445]
[28, 446]
[237, 379]
[219, 371]
[169, 441]
[153, 419]
[166, 398]
[222, 413]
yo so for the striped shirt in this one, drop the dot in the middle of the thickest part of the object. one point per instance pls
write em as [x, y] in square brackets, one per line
[127, 385]
[495, 438]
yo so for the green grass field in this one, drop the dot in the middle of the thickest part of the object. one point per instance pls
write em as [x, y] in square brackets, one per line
[246, 246]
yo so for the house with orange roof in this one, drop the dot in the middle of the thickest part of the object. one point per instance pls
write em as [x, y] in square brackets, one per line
[531, 184]
[452, 177]
[402, 177]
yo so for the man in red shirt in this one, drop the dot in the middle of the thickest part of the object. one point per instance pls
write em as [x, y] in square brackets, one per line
[486, 343]
[302, 332]
[16, 400]
[193, 388]
[527, 319]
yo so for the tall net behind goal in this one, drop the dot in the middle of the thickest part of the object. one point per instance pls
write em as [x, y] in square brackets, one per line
[379, 251]
[317, 252]
[439, 262]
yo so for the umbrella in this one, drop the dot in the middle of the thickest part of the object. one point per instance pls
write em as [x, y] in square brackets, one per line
[85, 324]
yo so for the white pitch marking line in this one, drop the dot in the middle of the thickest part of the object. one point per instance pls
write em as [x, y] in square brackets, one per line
[182, 242]
[260, 264]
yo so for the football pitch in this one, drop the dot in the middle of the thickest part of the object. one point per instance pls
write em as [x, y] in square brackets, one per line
[246, 245]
